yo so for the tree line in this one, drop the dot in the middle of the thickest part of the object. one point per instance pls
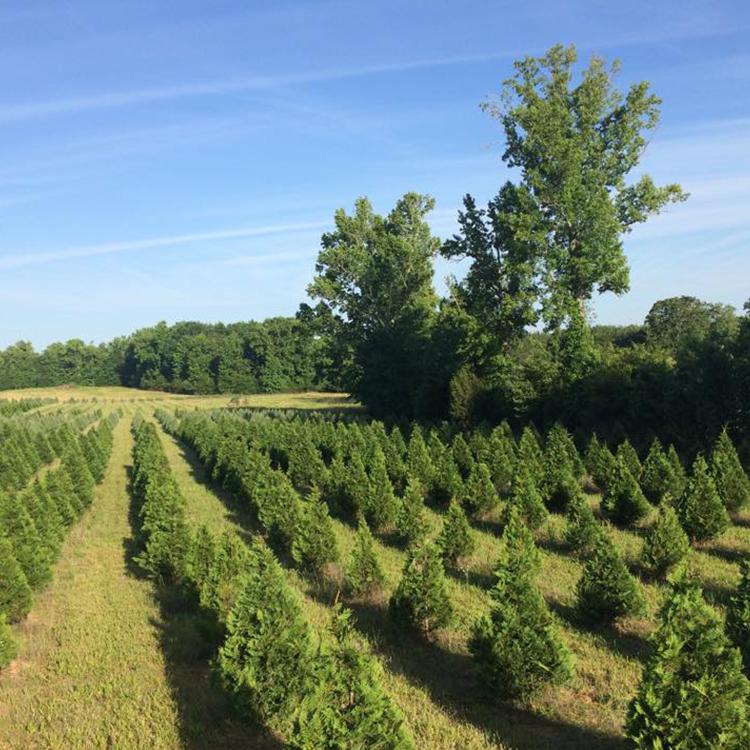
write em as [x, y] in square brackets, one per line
[274, 355]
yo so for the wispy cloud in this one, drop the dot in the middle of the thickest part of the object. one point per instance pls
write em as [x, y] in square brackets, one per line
[114, 100]
[86, 251]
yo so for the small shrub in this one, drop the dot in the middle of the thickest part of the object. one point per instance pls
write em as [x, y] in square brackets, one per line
[666, 544]
[701, 512]
[364, 574]
[693, 694]
[421, 599]
[606, 590]
[455, 541]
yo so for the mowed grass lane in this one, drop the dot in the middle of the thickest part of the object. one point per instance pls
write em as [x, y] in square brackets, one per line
[91, 672]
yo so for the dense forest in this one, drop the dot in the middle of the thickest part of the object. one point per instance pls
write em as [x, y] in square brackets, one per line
[513, 338]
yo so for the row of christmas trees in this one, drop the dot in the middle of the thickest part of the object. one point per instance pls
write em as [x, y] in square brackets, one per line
[317, 692]
[22, 405]
[516, 644]
[35, 520]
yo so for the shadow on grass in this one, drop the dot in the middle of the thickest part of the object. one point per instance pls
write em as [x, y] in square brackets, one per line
[728, 554]
[629, 645]
[450, 680]
[189, 638]
[718, 594]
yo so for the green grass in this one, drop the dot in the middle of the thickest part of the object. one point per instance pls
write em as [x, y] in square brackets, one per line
[151, 399]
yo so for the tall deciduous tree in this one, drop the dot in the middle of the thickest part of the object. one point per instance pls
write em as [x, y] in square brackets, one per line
[546, 244]
[374, 274]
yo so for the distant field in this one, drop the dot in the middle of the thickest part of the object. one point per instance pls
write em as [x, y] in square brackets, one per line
[306, 400]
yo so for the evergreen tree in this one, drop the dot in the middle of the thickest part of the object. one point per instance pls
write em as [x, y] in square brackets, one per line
[562, 467]
[678, 472]
[530, 454]
[55, 523]
[738, 614]
[666, 544]
[582, 529]
[606, 590]
[381, 505]
[306, 467]
[8, 647]
[657, 478]
[265, 659]
[628, 454]
[455, 541]
[479, 495]
[364, 574]
[692, 693]
[61, 490]
[222, 565]
[28, 548]
[605, 468]
[462, 455]
[78, 470]
[517, 646]
[345, 705]
[527, 499]
[418, 461]
[356, 487]
[623, 500]
[446, 482]
[314, 543]
[501, 460]
[701, 512]
[411, 522]
[421, 599]
[591, 457]
[731, 481]
[15, 594]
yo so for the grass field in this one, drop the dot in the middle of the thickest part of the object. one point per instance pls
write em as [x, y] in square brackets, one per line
[117, 394]
[105, 662]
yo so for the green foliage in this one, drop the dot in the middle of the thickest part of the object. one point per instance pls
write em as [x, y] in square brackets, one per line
[658, 480]
[731, 481]
[411, 522]
[530, 454]
[418, 459]
[738, 614]
[629, 456]
[345, 705]
[381, 505]
[479, 495]
[623, 500]
[15, 594]
[266, 657]
[693, 695]
[456, 541]
[517, 646]
[666, 544]
[582, 530]
[26, 543]
[501, 459]
[218, 567]
[446, 481]
[421, 599]
[606, 590]
[678, 472]
[526, 498]
[700, 509]
[604, 467]
[364, 574]
[374, 280]
[8, 647]
[314, 543]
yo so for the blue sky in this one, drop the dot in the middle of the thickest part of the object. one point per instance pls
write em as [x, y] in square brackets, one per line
[175, 161]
